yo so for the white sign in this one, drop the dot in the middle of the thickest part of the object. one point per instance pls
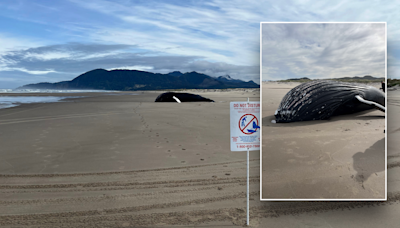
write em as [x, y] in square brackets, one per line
[245, 126]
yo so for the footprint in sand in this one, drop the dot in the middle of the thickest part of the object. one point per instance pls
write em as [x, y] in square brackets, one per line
[311, 162]
[289, 151]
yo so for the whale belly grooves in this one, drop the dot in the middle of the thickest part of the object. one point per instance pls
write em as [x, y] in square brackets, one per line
[321, 99]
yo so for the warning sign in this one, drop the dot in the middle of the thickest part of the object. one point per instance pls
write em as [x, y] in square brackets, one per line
[245, 126]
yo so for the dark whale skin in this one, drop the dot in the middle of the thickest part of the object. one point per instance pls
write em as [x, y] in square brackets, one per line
[321, 99]
[183, 97]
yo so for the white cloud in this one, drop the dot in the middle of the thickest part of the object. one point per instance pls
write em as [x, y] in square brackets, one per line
[27, 71]
[9, 43]
[195, 30]
[322, 50]
[138, 67]
[219, 32]
[48, 55]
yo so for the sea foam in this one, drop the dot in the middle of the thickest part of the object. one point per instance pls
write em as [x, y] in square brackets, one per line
[53, 91]
[12, 101]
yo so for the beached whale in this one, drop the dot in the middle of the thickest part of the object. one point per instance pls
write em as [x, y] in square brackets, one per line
[321, 99]
[181, 97]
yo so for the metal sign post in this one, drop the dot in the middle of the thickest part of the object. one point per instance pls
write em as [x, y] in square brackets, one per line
[245, 133]
[248, 183]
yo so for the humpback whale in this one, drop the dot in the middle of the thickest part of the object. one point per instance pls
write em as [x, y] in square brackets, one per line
[321, 99]
[180, 97]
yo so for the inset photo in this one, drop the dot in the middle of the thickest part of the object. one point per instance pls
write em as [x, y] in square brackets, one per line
[323, 111]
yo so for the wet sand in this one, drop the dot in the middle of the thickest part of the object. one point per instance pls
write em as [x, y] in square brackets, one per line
[339, 158]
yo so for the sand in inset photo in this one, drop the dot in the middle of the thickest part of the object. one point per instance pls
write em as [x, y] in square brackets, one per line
[323, 111]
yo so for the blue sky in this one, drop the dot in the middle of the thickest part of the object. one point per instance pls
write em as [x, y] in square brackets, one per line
[322, 50]
[50, 41]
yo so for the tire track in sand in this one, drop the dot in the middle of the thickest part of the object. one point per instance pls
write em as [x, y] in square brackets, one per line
[112, 218]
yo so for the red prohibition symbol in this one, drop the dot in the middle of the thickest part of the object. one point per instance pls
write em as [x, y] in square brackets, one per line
[244, 123]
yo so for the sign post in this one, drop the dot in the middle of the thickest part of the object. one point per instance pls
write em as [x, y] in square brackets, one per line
[245, 132]
[248, 183]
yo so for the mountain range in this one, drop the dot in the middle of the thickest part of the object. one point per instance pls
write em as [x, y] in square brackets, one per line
[366, 78]
[100, 79]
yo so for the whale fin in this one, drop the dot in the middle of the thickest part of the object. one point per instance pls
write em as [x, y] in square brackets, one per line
[177, 100]
[378, 106]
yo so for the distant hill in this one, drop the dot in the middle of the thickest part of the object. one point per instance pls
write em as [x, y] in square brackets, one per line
[364, 79]
[393, 82]
[299, 79]
[296, 80]
[101, 79]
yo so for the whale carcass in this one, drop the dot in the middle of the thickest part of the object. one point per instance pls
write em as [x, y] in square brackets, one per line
[181, 97]
[321, 99]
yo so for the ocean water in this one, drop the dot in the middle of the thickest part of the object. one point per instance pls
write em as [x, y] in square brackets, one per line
[12, 101]
[53, 91]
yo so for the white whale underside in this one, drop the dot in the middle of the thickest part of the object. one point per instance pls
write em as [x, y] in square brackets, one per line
[177, 100]
[378, 106]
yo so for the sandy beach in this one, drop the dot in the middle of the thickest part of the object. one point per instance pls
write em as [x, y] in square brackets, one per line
[114, 182]
[122, 160]
[349, 214]
[339, 158]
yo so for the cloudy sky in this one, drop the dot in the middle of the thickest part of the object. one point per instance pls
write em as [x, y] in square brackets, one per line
[50, 41]
[322, 50]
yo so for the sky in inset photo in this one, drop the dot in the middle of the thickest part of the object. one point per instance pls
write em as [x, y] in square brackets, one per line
[322, 50]
[51, 41]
